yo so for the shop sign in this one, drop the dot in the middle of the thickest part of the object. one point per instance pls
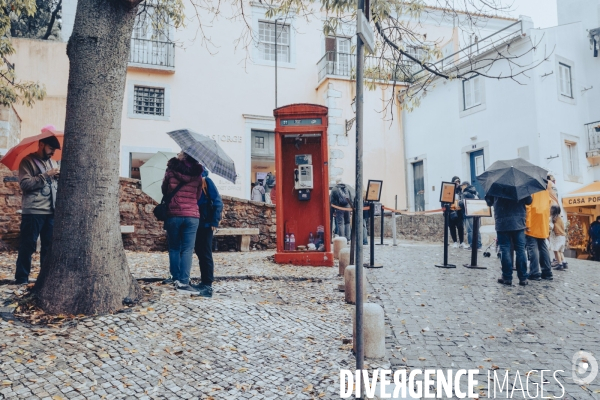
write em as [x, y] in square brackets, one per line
[581, 201]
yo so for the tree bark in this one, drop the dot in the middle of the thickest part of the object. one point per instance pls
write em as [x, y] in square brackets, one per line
[87, 271]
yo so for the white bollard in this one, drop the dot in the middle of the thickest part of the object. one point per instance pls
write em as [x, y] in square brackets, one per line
[338, 244]
[344, 260]
[373, 331]
[394, 228]
[350, 285]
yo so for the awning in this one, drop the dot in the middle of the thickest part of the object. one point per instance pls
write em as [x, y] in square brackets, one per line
[586, 196]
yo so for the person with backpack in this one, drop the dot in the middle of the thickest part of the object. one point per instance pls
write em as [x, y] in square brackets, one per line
[341, 197]
[183, 182]
[456, 223]
[210, 205]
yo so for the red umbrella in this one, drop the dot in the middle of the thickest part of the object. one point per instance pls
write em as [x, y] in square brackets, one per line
[13, 157]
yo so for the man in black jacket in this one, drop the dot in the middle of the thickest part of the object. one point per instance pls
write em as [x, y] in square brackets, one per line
[510, 228]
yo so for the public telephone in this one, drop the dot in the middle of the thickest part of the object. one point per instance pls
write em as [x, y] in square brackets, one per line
[303, 177]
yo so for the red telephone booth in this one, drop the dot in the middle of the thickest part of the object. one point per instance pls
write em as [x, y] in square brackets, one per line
[301, 158]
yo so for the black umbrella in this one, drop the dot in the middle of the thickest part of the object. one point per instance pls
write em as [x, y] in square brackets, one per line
[513, 179]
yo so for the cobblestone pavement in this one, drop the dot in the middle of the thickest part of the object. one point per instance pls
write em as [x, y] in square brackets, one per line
[256, 338]
[156, 264]
[461, 318]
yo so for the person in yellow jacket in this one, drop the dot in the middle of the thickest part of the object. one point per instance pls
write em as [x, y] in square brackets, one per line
[537, 231]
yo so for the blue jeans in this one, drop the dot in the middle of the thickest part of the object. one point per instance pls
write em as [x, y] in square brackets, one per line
[516, 239]
[469, 225]
[539, 256]
[181, 236]
[32, 227]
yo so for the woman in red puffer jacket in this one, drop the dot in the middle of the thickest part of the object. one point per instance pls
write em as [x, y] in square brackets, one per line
[183, 217]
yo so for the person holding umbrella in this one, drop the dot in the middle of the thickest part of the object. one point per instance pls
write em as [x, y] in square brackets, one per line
[508, 186]
[38, 179]
[183, 177]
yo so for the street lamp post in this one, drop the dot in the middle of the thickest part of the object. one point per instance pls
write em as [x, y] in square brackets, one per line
[358, 206]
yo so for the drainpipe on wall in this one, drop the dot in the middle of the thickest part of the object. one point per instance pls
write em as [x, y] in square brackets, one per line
[403, 116]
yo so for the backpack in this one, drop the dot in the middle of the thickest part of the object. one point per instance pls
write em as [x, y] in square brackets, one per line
[342, 198]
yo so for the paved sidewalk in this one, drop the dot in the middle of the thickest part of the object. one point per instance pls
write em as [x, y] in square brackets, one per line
[461, 318]
[256, 339]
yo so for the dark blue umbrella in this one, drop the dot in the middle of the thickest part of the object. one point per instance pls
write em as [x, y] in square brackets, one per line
[206, 151]
[513, 179]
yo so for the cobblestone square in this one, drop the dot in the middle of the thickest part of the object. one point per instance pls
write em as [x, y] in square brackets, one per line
[275, 331]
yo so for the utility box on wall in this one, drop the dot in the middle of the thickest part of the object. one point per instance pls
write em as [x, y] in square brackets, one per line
[301, 159]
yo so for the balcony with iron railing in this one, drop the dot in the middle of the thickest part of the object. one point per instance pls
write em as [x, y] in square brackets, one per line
[336, 64]
[492, 43]
[593, 135]
[152, 54]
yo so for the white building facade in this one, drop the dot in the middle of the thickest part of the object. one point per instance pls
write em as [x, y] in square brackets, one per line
[547, 117]
[227, 91]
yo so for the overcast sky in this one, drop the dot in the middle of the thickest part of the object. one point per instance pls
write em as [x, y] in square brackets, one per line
[543, 12]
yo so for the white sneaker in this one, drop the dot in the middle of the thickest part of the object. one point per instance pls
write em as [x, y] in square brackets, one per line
[463, 246]
[455, 245]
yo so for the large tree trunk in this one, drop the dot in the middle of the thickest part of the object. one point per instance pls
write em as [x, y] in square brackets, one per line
[87, 271]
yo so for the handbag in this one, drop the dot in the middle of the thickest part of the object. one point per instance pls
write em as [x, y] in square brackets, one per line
[161, 210]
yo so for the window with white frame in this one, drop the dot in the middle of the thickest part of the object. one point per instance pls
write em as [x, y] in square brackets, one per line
[572, 160]
[417, 52]
[471, 93]
[266, 39]
[148, 100]
[565, 80]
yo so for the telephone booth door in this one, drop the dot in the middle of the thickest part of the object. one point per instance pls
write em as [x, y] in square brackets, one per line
[301, 159]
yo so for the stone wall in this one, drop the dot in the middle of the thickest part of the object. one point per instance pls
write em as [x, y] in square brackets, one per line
[10, 128]
[425, 227]
[136, 209]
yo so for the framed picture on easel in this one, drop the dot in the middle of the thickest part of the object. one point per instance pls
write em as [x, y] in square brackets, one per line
[447, 192]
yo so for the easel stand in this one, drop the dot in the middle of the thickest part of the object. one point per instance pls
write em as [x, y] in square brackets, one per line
[446, 208]
[372, 241]
[474, 242]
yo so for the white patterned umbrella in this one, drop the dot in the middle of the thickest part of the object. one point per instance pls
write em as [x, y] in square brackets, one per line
[153, 172]
[206, 151]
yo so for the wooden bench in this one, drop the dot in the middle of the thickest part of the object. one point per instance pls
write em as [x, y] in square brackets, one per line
[243, 234]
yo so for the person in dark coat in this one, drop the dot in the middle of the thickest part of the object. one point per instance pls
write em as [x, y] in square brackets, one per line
[510, 216]
[595, 238]
[183, 217]
[469, 192]
[211, 208]
[456, 223]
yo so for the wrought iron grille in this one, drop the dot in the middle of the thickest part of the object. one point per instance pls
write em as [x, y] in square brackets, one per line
[149, 101]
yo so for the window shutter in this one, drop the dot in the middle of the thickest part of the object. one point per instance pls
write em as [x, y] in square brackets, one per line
[568, 81]
[575, 158]
[467, 93]
[476, 92]
[561, 73]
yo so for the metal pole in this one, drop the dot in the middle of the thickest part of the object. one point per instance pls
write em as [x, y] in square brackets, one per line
[358, 262]
[372, 226]
[394, 233]
[382, 224]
